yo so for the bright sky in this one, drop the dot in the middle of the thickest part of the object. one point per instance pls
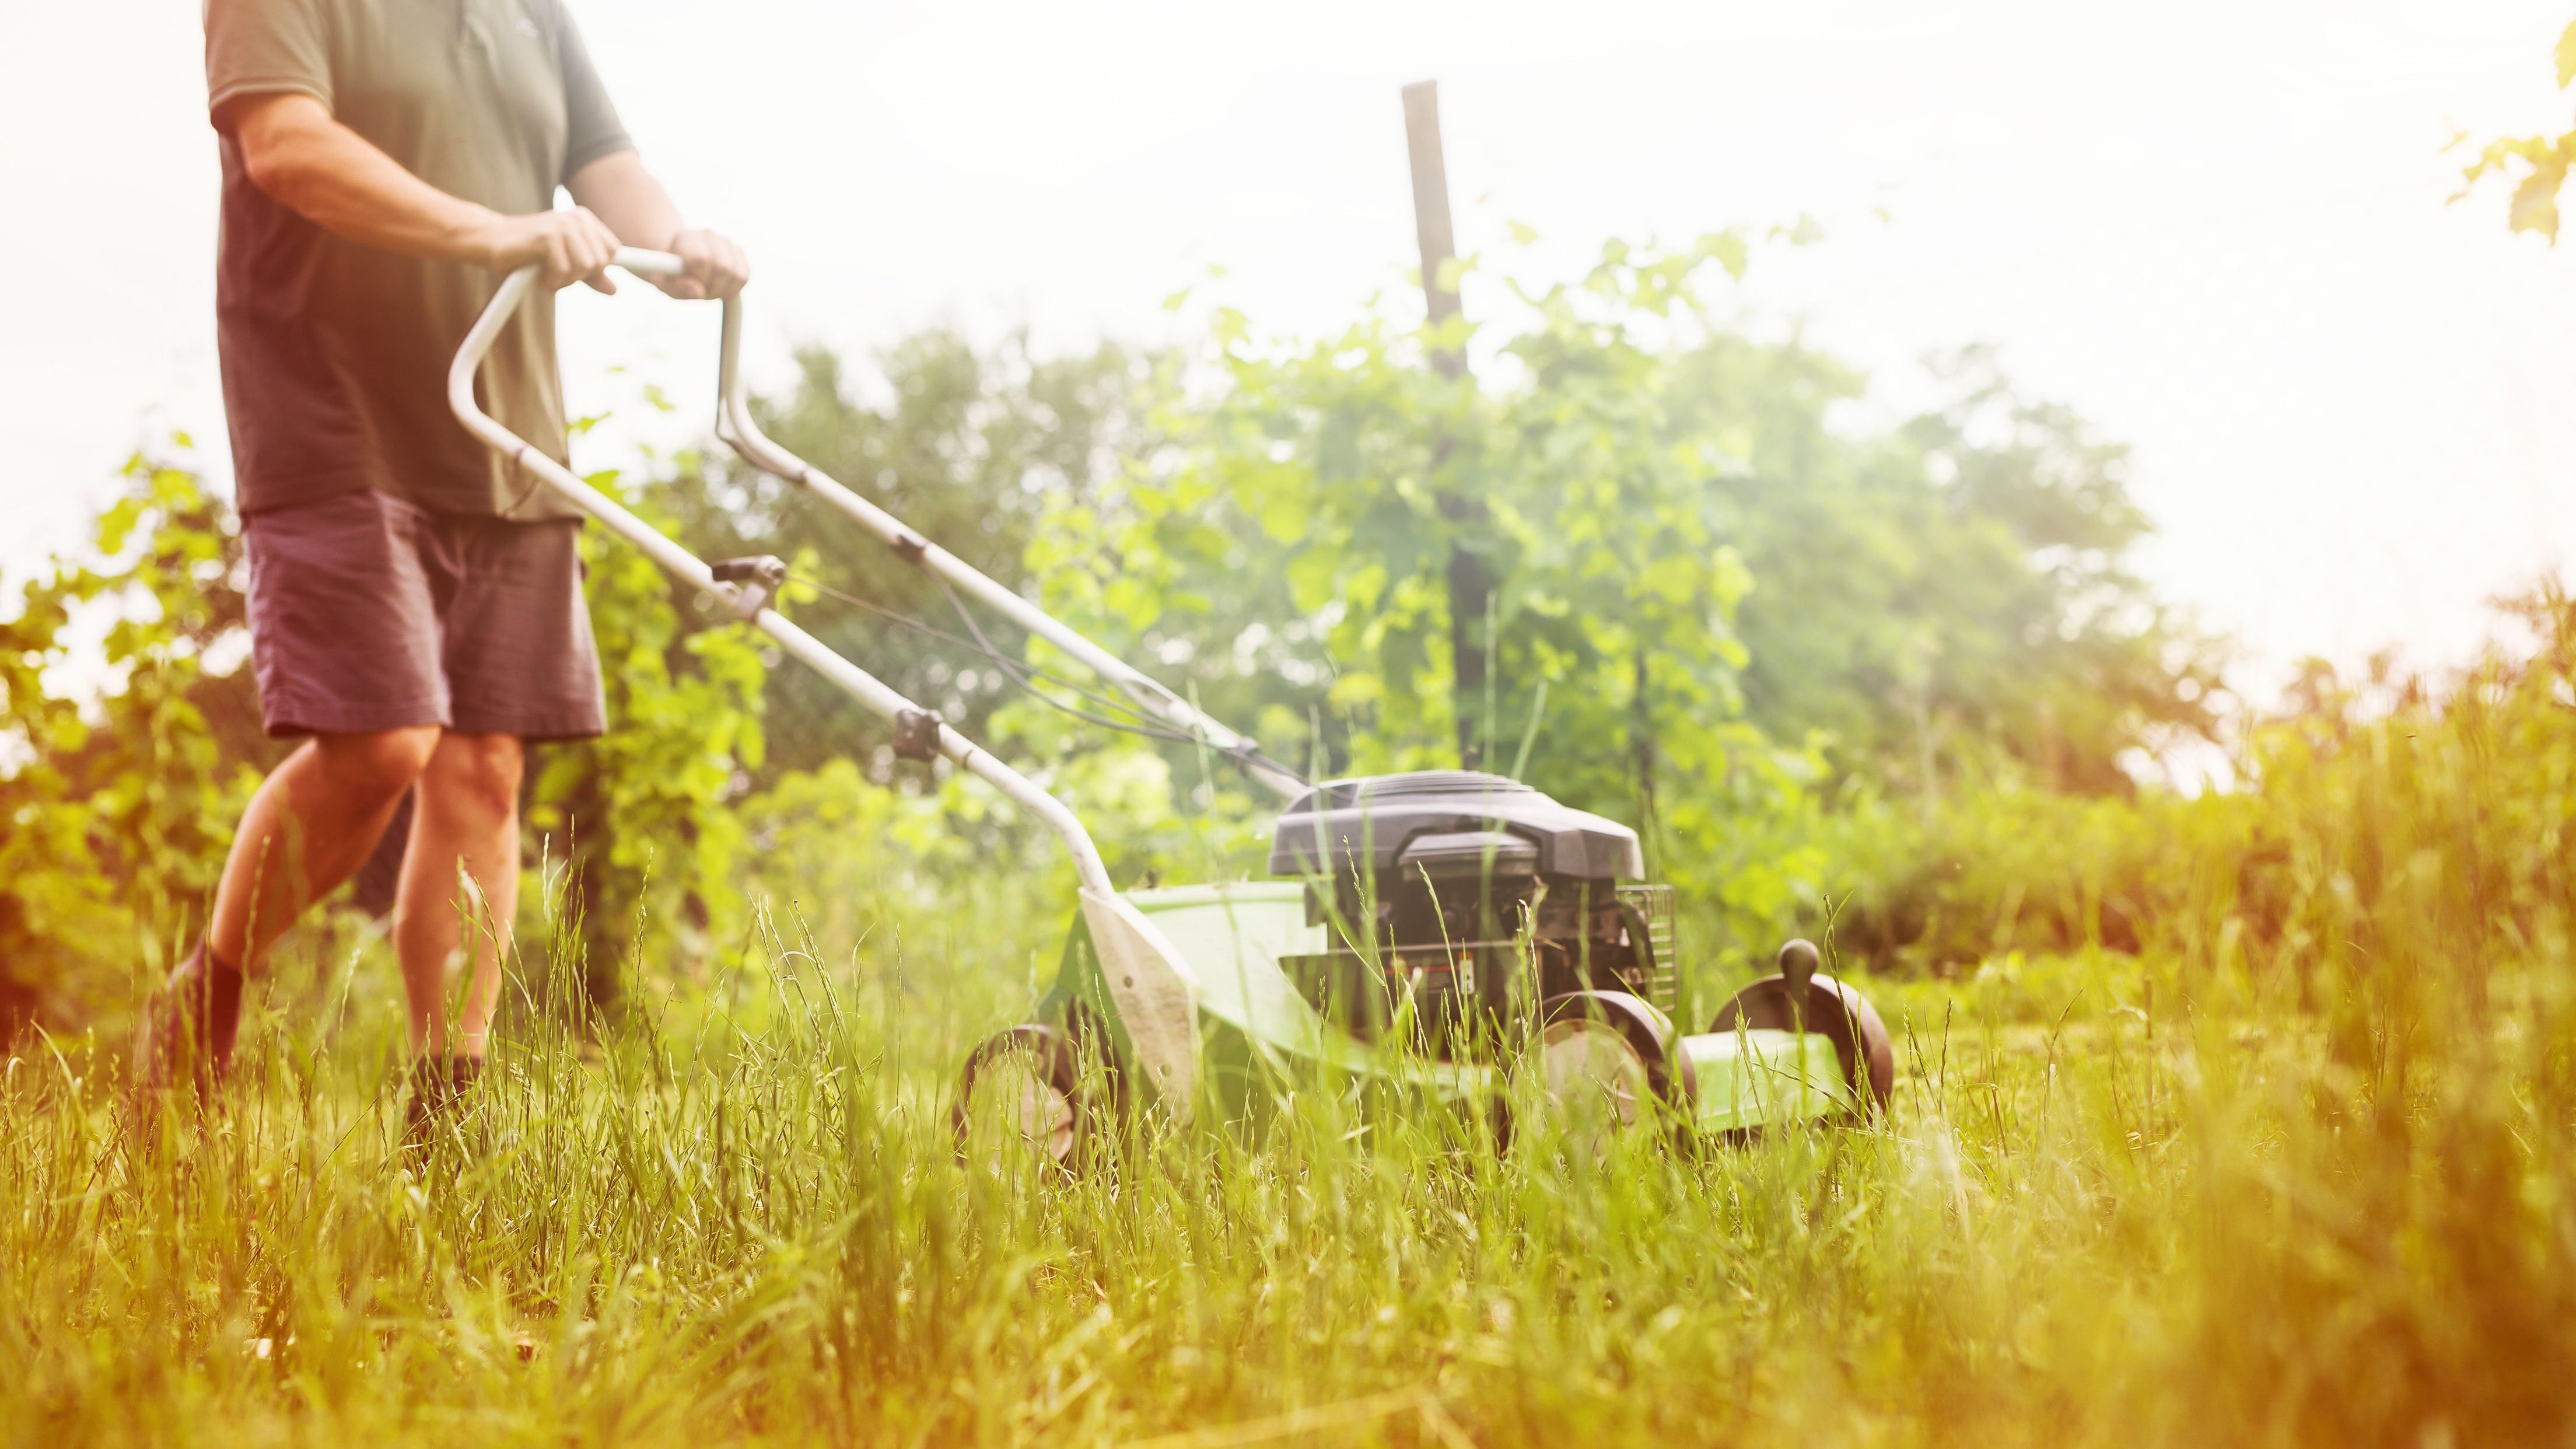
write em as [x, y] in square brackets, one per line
[2218, 229]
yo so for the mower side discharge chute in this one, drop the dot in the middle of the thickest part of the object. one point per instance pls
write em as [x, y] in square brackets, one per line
[1156, 995]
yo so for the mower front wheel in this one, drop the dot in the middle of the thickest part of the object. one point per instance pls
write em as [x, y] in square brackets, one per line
[1606, 1061]
[1021, 1101]
[1802, 997]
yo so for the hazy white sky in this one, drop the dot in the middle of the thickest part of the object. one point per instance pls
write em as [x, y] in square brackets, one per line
[2218, 229]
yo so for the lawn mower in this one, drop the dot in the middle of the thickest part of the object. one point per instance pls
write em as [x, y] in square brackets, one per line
[1446, 926]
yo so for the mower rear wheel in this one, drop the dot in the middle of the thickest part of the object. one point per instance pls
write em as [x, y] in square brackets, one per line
[1605, 1059]
[1021, 1102]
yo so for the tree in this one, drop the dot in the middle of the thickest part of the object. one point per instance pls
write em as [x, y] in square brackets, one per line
[1718, 608]
[2542, 161]
[1948, 599]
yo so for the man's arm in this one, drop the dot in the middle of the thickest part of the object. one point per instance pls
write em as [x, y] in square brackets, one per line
[337, 179]
[618, 190]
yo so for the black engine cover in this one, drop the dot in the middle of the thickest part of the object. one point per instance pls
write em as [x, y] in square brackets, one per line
[1368, 824]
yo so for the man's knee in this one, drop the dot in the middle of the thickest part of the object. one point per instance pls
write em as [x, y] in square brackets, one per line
[476, 773]
[380, 764]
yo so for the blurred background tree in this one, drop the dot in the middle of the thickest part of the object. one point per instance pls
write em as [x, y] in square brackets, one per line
[963, 443]
[1724, 603]
[641, 819]
[2540, 161]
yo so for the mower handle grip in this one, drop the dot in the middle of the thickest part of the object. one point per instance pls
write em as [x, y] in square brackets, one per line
[644, 263]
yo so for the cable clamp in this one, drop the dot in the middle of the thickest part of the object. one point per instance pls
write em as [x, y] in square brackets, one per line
[916, 734]
[756, 581]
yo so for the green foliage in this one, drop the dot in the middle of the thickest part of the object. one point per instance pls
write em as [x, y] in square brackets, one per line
[115, 809]
[960, 442]
[1803, 655]
[1297, 536]
[642, 816]
[2542, 160]
[119, 801]
[1949, 601]
[2361, 805]
[1719, 610]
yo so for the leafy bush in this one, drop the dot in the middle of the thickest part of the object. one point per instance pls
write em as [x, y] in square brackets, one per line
[119, 801]
[2355, 806]
[642, 817]
[1718, 613]
[117, 806]
[2543, 161]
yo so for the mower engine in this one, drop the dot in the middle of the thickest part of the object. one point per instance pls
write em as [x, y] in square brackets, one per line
[1470, 898]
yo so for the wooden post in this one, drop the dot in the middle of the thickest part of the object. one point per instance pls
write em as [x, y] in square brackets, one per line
[1431, 212]
[1471, 580]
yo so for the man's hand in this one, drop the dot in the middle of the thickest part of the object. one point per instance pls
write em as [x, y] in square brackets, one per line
[628, 198]
[717, 268]
[570, 245]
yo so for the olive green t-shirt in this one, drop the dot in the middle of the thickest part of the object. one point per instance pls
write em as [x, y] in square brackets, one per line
[335, 355]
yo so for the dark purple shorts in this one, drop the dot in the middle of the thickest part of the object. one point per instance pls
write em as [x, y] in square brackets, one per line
[367, 613]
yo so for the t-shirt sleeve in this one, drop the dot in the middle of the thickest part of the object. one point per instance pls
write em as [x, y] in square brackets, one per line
[256, 47]
[592, 129]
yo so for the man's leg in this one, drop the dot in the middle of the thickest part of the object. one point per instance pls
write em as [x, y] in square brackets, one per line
[516, 657]
[309, 827]
[313, 823]
[459, 892]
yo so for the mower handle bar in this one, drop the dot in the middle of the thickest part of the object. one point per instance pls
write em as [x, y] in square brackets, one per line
[737, 430]
[872, 693]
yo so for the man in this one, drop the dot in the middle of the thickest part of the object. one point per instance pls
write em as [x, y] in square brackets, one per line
[415, 604]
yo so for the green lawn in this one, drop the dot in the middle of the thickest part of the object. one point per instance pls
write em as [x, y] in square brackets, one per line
[2116, 1202]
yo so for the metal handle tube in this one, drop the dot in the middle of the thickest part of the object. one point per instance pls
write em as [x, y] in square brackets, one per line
[735, 427]
[880, 697]
[871, 692]
[649, 263]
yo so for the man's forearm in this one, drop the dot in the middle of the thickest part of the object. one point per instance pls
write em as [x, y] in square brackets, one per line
[619, 191]
[330, 174]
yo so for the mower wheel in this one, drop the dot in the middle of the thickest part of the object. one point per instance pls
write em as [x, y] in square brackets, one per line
[1020, 1100]
[1606, 1060]
[1802, 996]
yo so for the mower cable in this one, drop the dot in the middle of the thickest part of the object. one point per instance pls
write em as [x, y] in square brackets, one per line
[1021, 674]
[1025, 675]
[1017, 671]
[1247, 753]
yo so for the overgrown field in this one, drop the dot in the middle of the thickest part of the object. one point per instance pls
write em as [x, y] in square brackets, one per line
[2309, 1184]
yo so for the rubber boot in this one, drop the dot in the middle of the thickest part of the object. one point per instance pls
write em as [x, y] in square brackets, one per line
[439, 1086]
[189, 1025]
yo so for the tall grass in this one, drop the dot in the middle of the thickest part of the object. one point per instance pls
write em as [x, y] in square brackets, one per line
[2301, 1172]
